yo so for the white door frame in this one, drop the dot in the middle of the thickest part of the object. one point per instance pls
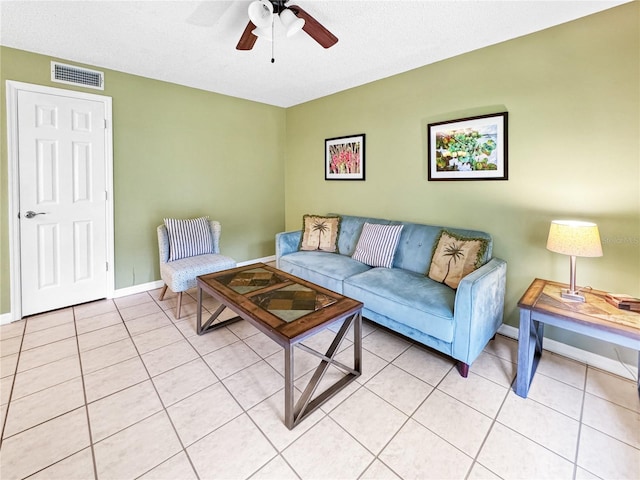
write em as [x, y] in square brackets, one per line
[13, 88]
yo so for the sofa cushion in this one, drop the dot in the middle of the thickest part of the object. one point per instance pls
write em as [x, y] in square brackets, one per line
[188, 237]
[377, 244]
[415, 247]
[180, 275]
[325, 269]
[350, 230]
[455, 257]
[320, 232]
[407, 297]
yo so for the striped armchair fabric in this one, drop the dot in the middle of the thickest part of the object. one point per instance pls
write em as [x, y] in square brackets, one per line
[180, 275]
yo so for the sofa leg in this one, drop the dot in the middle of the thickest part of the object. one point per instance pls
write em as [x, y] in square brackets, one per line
[179, 306]
[164, 290]
[463, 369]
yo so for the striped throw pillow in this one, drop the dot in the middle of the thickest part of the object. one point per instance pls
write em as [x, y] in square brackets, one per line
[189, 237]
[377, 244]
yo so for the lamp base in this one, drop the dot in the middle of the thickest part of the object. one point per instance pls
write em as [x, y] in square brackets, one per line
[572, 295]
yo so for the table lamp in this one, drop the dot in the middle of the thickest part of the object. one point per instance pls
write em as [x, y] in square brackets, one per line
[577, 239]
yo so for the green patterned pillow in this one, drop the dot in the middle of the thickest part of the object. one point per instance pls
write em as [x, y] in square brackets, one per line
[320, 233]
[455, 257]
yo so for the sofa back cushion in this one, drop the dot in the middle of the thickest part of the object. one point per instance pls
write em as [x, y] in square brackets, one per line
[416, 244]
[350, 230]
[418, 241]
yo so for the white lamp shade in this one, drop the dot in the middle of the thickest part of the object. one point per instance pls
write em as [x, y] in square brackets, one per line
[291, 23]
[264, 33]
[572, 237]
[261, 13]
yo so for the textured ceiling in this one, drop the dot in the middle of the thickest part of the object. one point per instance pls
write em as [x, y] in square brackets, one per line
[193, 42]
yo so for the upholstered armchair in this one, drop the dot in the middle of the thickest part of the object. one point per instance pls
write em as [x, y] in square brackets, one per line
[180, 267]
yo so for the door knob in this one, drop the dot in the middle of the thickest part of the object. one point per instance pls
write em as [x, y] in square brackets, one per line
[31, 214]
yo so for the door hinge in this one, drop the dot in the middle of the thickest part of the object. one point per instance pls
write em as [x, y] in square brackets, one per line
[105, 124]
[107, 265]
[106, 195]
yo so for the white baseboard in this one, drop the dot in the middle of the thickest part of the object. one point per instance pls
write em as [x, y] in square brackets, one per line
[145, 287]
[271, 258]
[592, 359]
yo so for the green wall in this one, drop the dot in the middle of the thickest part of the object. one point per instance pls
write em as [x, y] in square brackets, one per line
[572, 93]
[178, 152]
[573, 97]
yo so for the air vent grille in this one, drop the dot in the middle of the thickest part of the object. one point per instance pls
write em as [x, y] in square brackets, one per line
[71, 75]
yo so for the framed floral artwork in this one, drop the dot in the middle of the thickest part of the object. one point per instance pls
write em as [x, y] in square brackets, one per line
[344, 158]
[473, 148]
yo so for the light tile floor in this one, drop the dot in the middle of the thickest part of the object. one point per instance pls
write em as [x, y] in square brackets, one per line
[119, 389]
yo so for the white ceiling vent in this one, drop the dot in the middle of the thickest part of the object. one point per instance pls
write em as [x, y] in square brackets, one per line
[82, 77]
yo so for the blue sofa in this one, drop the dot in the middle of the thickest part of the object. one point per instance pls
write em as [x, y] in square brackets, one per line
[403, 298]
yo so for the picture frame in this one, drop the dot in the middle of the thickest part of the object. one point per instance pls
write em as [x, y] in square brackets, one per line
[344, 158]
[473, 148]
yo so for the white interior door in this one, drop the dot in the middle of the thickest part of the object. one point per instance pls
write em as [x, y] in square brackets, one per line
[63, 207]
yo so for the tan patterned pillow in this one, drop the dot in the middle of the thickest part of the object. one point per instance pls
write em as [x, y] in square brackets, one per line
[320, 233]
[455, 257]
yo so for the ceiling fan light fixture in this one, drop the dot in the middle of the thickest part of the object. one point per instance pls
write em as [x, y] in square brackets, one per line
[261, 13]
[291, 22]
[265, 33]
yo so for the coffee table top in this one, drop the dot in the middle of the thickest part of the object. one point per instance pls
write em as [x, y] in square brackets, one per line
[284, 306]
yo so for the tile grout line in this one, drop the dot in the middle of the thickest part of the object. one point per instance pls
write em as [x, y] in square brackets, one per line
[164, 407]
[494, 420]
[243, 410]
[64, 413]
[13, 381]
[584, 395]
[410, 417]
[86, 403]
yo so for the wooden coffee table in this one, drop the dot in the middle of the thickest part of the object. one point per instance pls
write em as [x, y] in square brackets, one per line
[288, 310]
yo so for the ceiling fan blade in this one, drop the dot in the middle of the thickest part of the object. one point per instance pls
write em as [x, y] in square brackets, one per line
[314, 29]
[248, 39]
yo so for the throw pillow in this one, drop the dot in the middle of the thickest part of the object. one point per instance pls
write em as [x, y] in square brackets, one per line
[455, 257]
[377, 244]
[189, 237]
[320, 233]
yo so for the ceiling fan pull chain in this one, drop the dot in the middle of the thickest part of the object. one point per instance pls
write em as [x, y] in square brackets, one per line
[273, 39]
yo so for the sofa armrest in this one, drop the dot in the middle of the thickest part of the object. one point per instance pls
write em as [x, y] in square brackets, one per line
[478, 309]
[287, 242]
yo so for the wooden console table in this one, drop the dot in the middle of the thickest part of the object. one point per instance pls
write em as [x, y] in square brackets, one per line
[542, 304]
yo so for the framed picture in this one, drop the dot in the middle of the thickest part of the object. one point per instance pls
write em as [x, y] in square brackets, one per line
[473, 148]
[344, 158]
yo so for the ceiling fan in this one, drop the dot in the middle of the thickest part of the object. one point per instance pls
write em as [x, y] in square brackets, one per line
[262, 15]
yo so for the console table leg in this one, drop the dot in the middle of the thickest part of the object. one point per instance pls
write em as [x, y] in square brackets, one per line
[530, 337]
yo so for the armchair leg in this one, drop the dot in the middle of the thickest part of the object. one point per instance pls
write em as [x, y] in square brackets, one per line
[179, 306]
[164, 290]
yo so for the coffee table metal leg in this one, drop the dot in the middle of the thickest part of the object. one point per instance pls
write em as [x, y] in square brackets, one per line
[199, 316]
[289, 420]
[305, 406]
[357, 343]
